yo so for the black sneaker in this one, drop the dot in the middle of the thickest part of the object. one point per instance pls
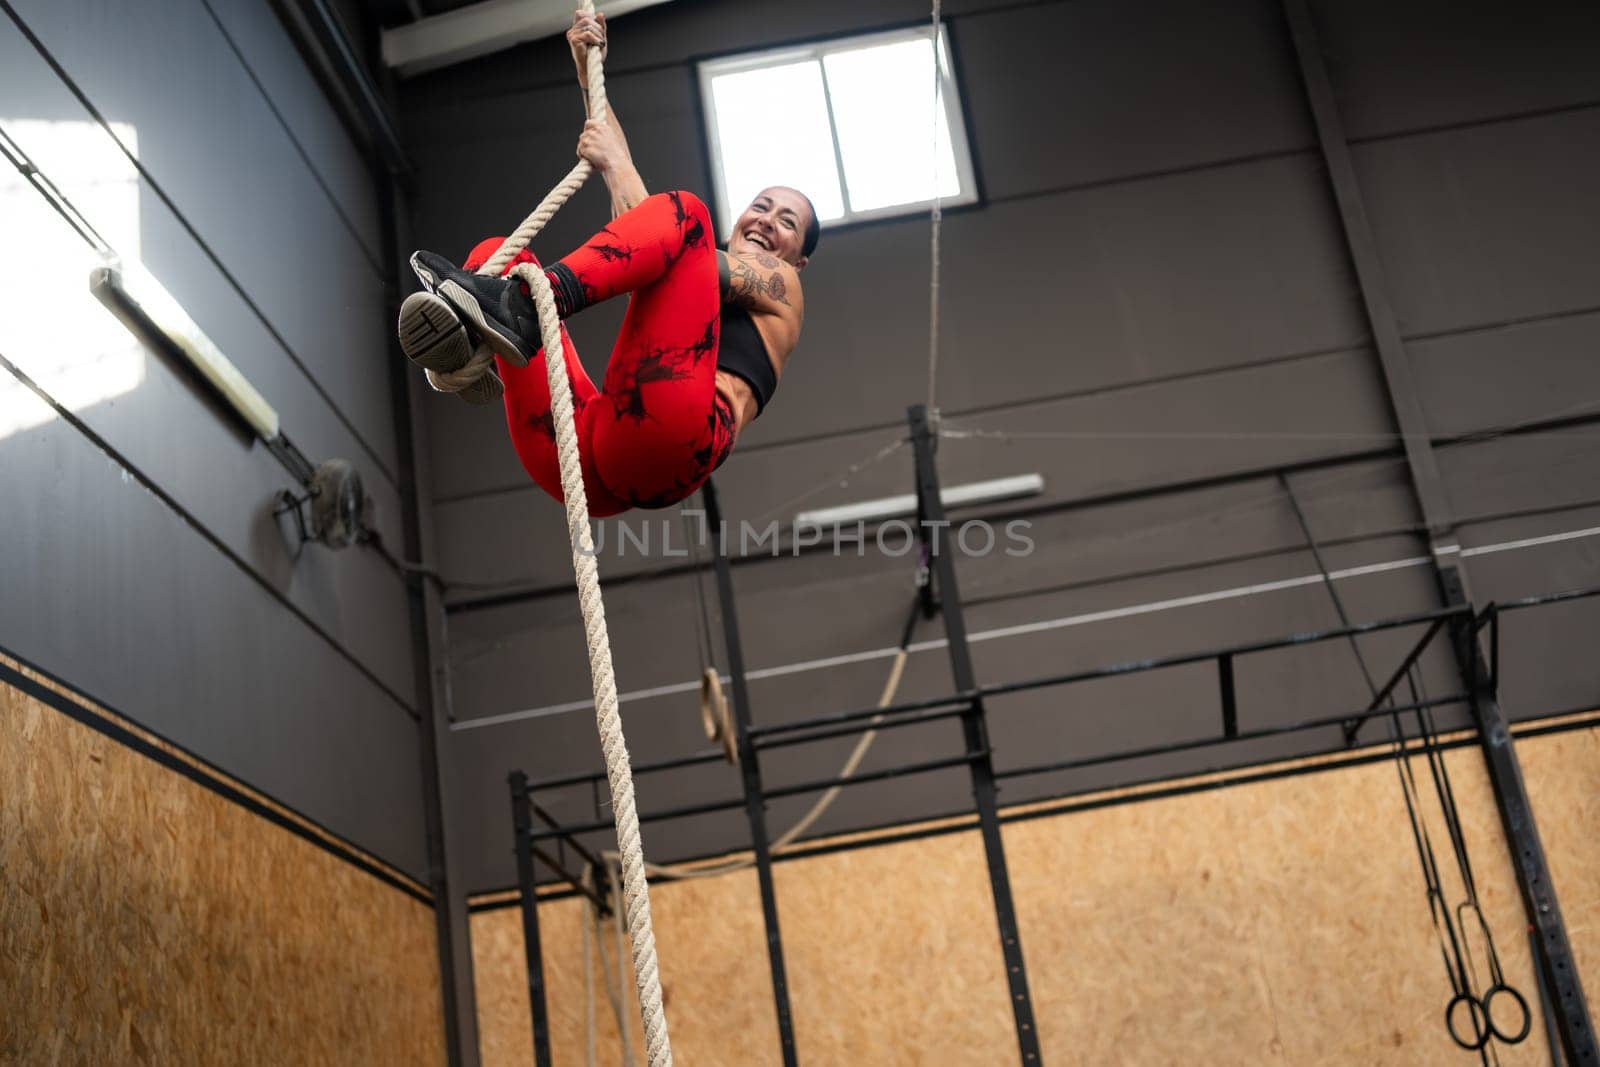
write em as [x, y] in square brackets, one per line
[496, 310]
[433, 338]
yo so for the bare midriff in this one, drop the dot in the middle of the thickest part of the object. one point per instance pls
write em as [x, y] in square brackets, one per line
[737, 391]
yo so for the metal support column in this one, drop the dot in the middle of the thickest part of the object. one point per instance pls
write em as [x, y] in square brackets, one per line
[429, 644]
[1505, 774]
[522, 820]
[930, 510]
[1559, 972]
[754, 802]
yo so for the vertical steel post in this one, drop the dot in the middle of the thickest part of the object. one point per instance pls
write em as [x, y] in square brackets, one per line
[522, 820]
[429, 642]
[754, 801]
[930, 510]
[1230, 702]
[1558, 970]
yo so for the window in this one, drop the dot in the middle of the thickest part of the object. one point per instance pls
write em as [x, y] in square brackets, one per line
[850, 123]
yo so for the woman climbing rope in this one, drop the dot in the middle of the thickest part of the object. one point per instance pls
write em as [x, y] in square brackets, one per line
[705, 338]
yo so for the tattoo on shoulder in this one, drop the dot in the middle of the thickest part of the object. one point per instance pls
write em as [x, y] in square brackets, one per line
[748, 288]
[765, 260]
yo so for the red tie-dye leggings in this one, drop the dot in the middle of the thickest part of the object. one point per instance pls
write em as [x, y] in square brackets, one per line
[657, 427]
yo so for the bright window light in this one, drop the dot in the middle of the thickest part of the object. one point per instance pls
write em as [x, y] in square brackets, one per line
[890, 162]
[55, 331]
[800, 147]
[851, 123]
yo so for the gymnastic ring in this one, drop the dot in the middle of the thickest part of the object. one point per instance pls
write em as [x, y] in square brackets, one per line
[714, 714]
[1477, 1009]
[1522, 1006]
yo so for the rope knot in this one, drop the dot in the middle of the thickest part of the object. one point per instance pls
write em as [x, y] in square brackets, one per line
[464, 376]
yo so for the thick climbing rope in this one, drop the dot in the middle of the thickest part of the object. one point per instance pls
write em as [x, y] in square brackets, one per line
[786, 840]
[619, 774]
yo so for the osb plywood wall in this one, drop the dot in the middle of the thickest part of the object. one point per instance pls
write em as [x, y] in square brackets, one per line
[145, 919]
[1280, 921]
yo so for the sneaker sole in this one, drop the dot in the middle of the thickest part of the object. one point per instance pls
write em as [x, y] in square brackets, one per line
[430, 334]
[472, 317]
[433, 338]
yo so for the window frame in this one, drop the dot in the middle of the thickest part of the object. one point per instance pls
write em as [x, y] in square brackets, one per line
[950, 96]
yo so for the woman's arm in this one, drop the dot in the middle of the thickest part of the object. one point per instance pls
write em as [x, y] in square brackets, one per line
[606, 149]
[762, 283]
[603, 144]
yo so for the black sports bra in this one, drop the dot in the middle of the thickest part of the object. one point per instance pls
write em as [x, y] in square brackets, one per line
[741, 351]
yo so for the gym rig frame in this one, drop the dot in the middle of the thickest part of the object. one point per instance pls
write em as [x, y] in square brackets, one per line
[1564, 1004]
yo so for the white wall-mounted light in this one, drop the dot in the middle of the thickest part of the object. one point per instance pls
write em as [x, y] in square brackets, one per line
[333, 489]
[141, 302]
[955, 496]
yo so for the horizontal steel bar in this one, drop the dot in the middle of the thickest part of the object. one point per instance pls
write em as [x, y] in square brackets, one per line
[783, 791]
[876, 776]
[959, 700]
[865, 726]
[577, 846]
[956, 702]
[573, 880]
[652, 816]
[710, 755]
[1547, 598]
[1207, 742]
[1293, 640]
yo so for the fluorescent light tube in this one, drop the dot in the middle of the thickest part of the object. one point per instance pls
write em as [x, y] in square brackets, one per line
[955, 496]
[135, 295]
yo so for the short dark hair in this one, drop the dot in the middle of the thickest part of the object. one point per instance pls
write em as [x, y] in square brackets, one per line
[813, 229]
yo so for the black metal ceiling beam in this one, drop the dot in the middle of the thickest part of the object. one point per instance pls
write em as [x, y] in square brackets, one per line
[321, 39]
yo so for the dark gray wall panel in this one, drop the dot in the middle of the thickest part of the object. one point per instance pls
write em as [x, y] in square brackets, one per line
[119, 594]
[520, 656]
[1053, 100]
[1546, 653]
[1487, 224]
[1510, 376]
[1410, 66]
[192, 448]
[185, 443]
[236, 178]
[259, 35]
[1175, 431]
[1177, 531]
[1167, 433]
[113, 592]
[474, 180]
[1076, 291]
[1246, 614]
[1537, 470]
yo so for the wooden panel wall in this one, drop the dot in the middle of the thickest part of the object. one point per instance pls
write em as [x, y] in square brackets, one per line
[1275, 921]
[146, 919]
